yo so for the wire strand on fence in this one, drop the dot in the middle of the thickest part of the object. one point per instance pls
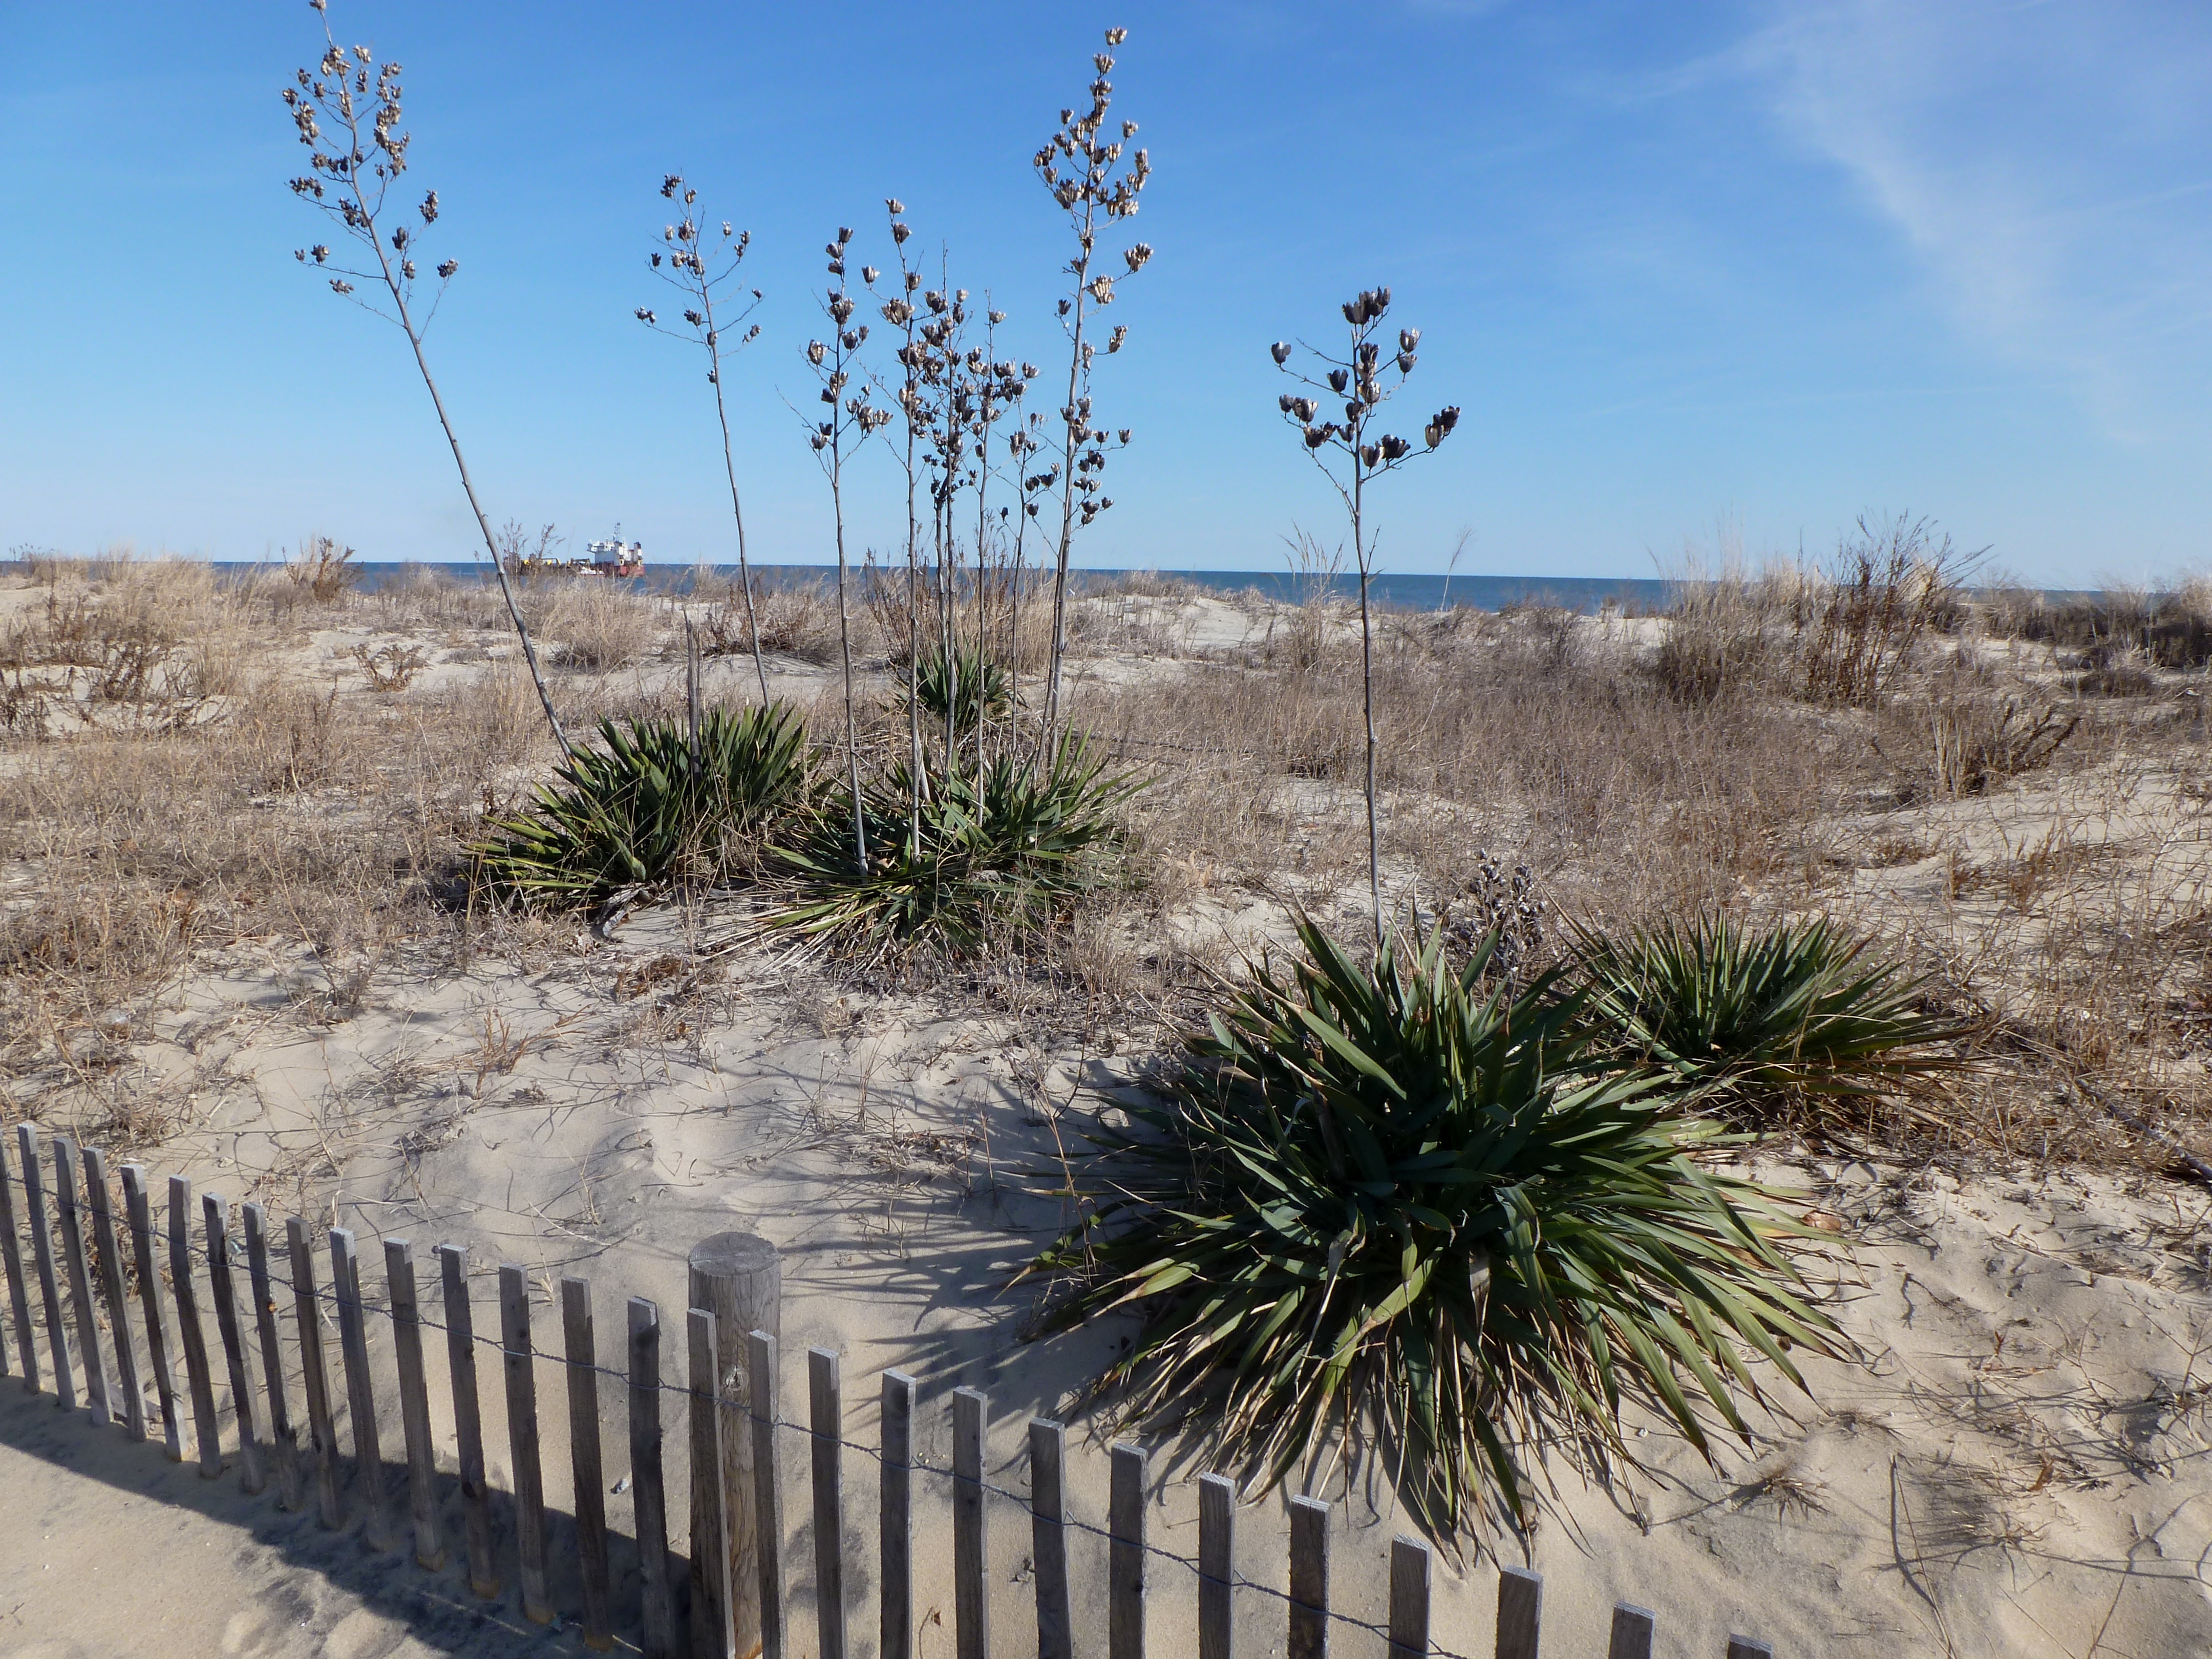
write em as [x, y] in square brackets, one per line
[235, 1252]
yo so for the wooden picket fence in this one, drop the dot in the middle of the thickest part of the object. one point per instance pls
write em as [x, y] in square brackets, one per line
[702, 1612]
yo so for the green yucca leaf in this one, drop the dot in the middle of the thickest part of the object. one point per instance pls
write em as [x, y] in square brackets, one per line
[641, 809]
[1788, 1022]
[1400, 1199]
[1000, 856]
[965, 682]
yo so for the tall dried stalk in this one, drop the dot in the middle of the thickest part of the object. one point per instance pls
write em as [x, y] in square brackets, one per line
[1095, 186]
[697, 270]
[914, 402]
[848, 414]
[350, 182]
[1357, 377]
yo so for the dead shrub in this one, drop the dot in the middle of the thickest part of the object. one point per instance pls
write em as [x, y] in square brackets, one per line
[391, 667]
[1964, 742]
[321, 570]
[1888, 588]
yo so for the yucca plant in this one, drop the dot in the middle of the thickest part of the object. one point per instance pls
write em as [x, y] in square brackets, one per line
[645, 808]
[963, 685]
[1791, 1023]
[1393, 1205]
[999, 856]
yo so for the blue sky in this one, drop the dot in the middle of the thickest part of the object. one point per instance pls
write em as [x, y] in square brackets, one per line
[1764, 264]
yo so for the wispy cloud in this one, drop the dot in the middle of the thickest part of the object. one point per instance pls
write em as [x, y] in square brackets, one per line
[2047, 162]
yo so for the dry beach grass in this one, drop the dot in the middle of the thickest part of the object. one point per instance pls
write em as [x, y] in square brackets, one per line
[237, 940]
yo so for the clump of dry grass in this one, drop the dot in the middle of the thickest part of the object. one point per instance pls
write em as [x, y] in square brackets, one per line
[594, 624]
[304, 822]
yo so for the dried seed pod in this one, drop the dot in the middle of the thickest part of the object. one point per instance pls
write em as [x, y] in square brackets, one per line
[1339, 379]
[1281, 351]
[1409, 338]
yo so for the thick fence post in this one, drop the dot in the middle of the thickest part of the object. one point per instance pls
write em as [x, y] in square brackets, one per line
[111, 1286]
[1632, 1629]
[206, 1427]
[284, 1434]
[79, 1280]
[521, 1365]
[1049, 1538]
[895, 1527]
[138, 1214]
[414, 1402]
[710, 1554]
[314, 1373]
[1410, 1571]
[762, 1375]
[1217, 1567]
[468, 1420]
[580, 1348]
[971, 1564]
[649, 1483]
[19, 1296]
[738, 1278]
[361, 1388]
[825, 1413]
[1520, 1606]
[1308, 1578]
[42, 1255]
[1125, 1525]
[222, 1290]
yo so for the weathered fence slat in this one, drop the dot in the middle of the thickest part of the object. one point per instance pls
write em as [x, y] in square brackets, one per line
[1217, 1567]
[710, 1555]
[468, 1420]
[1632, 1628]
[649, 1483]
[414, 1401]
[1742, 1647]
[132, 1397]
[19, 1296]
[519, 1363]
[222, 1290]
[1520, 1605]
[1055, 1621]
[826, 1415]
[314, 1374]
[896, 1527]
[1308, 1578]
[1125, 1568]
[738, 1277]
[762, 1373]
[42, 1255]
[206, 1427]
[581, 1345]
[79, 1280]
[971, 1559]
[1410, 1569]
[138, 1212]
[283, 1435]
[361, 1389]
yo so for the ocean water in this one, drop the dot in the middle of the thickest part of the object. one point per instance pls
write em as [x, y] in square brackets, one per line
[1409, 591]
